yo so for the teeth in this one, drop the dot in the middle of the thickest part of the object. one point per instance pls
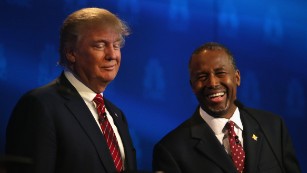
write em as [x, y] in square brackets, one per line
[216, 95]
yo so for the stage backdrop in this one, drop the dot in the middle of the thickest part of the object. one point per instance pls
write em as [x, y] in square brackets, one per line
[268, 39]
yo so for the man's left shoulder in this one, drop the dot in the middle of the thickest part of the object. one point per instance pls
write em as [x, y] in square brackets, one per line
[261, 115]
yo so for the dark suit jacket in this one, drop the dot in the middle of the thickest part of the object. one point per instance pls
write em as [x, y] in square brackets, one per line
[53, 126]
[193, 147]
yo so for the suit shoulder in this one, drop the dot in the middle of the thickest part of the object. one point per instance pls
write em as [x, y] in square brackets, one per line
[177, 134]
[265, 118]
[40, 93]
[259, 111]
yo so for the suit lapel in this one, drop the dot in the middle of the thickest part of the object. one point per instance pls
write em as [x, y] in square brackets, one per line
[253, 140]
[209, 145]
[87, 122]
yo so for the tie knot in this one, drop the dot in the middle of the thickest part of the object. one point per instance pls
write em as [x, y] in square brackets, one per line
[230, 126]
[100, 107]
[98, 99]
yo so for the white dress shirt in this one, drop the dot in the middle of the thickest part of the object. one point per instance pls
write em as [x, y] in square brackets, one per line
[218, 127]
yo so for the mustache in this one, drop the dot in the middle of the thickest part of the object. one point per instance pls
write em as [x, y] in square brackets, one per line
[211, 88]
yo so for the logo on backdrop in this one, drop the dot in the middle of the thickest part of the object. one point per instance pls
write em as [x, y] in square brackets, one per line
[179, 15]
[273, 27]
[249, 90]
[154, 82]
[228, 18]
[295, 99]
[130, 10]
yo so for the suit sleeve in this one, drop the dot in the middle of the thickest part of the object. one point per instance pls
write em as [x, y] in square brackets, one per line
[31, 135]
[163, 160]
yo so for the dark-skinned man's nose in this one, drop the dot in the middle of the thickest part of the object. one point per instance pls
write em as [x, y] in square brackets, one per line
[213, 81]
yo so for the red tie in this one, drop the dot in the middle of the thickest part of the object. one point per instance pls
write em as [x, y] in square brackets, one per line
[108, 133]
[236, 149]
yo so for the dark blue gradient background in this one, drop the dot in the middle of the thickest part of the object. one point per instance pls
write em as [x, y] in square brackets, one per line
[268, 39]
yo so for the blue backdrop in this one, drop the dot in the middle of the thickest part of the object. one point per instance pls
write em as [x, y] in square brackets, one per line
[268, 39]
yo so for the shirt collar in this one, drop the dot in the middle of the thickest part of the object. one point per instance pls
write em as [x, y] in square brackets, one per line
[237, 119]
[218, 124]
[86, 93]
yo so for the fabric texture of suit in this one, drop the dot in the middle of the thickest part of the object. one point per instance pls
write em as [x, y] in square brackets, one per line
[193, 147]
[53, 126]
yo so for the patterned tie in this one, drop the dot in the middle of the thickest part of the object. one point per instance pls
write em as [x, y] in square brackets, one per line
[236, 149]
[108, 133]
